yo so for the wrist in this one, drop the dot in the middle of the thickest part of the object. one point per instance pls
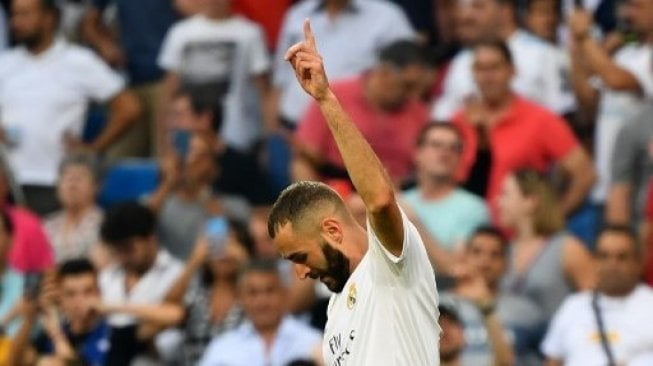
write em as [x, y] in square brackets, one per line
[327, 97]
[486, 307]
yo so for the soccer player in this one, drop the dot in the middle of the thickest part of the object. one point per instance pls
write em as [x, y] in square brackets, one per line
[384, 307]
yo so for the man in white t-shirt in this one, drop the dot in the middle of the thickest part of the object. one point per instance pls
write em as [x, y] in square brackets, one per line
[622, 84]
[384, 307]
[541, 75]
[224, 54]
[46, 85]
[623, 303]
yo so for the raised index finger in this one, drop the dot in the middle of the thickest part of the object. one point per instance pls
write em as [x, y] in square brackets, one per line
[309, 37]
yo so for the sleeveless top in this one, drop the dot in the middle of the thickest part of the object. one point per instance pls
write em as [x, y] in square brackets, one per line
[529, 300]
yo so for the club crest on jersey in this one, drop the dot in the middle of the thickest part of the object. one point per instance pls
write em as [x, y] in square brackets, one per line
[351, 297]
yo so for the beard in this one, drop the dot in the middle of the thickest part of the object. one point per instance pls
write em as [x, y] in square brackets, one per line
[29, 40]
[337, 273]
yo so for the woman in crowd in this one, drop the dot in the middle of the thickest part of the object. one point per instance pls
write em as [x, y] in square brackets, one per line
[73, 231]
[545, 264]
[207, 287]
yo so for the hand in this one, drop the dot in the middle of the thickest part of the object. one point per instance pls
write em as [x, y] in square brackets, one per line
[580, 24]
[201, 252]
[170, 169]
[49, 291]
[73, 144]
[471, 285]
[112, 54]
[308, 65]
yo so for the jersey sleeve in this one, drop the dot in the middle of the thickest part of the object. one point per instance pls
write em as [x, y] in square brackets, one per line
[411, 265]
[170, 55]
[259, 61]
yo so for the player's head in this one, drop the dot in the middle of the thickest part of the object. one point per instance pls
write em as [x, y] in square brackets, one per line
[618, 260]
[453, 335]
[438, 153]
[487, 254]
[308, 224]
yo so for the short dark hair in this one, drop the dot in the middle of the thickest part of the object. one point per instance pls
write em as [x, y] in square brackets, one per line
[204, 100]
[493, 232]
[75, 267]
[404, 53]
[258, 265]
[621, 229]
[449, 311]
[51, 6]
[438, 125]
[297, 200]
[127, 220]
[498, 45]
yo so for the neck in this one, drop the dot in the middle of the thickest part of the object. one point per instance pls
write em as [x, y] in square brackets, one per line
[76, 213]
[525, 231]
[435, 187]
[79, 326]
[619, 293]
[45, 43]
[498, 104]
[334, 7]
[220, 13]
[507, 29]
[268, 334]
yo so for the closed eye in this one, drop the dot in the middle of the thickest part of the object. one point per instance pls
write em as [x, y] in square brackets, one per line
[299, 258]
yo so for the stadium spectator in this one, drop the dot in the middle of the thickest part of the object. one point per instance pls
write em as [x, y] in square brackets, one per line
[382, 106]
[625, 82]
[542, 18]
[184, 200]
[631, 173]
[74, 231]
[269, 336]
[137, 282]
[502, 133]
[71, 331]
[476, 297]
[225, 54]
[539, 73]
[134, 47]
[208, 289]
[610, 325]
[351, 34]
[545, 263]
[450, 213]
[30, 250]
[45, 87]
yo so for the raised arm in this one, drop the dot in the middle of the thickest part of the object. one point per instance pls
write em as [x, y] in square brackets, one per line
[365, 170]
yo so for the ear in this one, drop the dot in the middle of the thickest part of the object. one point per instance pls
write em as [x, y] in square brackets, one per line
[332, 229]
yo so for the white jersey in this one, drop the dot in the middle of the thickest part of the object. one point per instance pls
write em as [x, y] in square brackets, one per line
[387, 313]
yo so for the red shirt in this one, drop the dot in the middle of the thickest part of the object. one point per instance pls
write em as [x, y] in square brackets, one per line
[392, 135]
[268, 13]
[528, 136]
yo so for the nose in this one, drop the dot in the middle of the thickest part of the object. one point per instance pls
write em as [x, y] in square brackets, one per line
[302, 271]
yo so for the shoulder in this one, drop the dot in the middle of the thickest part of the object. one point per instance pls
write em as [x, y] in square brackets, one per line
[383, 8]
[575, 302]
[11, 57]
[644, 292]
[537, 112]
[348, 87]
[467, 198]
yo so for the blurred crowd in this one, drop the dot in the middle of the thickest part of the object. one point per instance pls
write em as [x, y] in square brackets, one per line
[142, 144]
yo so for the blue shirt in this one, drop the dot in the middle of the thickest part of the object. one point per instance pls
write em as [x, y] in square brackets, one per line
[452, 219]
[11, 290]
[92, 347]
[143, 25]
[244, 347]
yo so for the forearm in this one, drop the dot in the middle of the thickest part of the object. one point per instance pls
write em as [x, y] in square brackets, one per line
[162, 129]
[502, 350]
[21, 342]
[579, 188]
[442, 261]
[157, 199]
[165, 314]
[125, 110]
[602, 65]
[618, 207]
[93, 31]
[367, 174]
[586, 94]
[178, 290]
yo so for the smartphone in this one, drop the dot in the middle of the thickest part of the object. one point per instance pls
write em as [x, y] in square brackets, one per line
[33, 282]
[217, 232]
[181, 141]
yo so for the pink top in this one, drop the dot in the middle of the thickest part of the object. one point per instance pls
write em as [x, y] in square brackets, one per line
[30, 250]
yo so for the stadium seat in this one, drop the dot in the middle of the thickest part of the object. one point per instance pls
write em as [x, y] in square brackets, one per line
[129, 180]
